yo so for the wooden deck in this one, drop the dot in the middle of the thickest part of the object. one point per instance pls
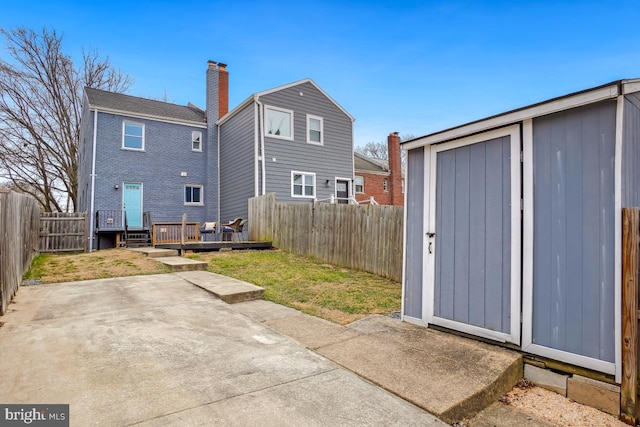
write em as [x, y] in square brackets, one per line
[215, 246]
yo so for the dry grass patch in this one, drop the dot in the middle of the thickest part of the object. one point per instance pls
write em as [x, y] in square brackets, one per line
[55, 268]
[334, 293]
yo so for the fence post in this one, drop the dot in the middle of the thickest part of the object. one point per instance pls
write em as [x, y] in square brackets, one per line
[183, 230]
[630, 250]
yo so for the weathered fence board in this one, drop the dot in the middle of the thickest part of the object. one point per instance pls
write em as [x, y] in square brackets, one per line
[19, 225]
[365, 237]
[630, 265]
[63, 232]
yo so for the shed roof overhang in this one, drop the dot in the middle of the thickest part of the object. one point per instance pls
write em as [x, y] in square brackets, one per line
[576, 99]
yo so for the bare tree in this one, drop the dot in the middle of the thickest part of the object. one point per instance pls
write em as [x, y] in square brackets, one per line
[40, 109]
[380, 150]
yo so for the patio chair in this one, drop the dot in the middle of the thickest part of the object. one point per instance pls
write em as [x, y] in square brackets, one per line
[231, 229]
[208, 228]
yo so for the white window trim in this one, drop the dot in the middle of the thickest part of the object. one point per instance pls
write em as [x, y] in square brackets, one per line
[309, 141]
[129, 122]
[303, 196]
[355, 184]
[282, 110]
[184, 198]
[194, 134]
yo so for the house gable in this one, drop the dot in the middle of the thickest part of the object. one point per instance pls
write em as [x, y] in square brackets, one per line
[331, 160]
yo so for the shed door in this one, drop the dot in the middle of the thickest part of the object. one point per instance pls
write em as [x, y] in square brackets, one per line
[473, 235]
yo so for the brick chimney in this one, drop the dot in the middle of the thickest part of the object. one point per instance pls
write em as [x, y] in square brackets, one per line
[217, 91]
[223, 89]
[395, 169]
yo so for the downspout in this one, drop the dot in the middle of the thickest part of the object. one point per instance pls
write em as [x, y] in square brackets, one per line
[264, 158]
[93, 178]
[256, 150]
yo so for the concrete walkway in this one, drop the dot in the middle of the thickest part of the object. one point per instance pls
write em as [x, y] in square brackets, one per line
[449, 376]
[156, 350]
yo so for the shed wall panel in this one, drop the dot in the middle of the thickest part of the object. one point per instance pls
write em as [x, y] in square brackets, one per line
[573, 283]
[415, 234]
[631, 151]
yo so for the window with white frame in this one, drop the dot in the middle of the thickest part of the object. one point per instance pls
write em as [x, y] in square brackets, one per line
[358, 184]
[132, 136]
[315, 132]
[303, 184]
[385, 184]
[196, 140]
[193, 195]
[278, 122]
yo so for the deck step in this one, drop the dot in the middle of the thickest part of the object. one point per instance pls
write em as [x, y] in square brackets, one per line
[183, 264]
[226, 288]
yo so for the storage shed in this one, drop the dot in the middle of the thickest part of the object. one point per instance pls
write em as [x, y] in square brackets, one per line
[513, 225]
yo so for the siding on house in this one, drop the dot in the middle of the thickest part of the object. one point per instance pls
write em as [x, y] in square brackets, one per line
[167, 153]
[415, 213]
[237, 171]
[631, 151]
[332, 159]
[574, 277]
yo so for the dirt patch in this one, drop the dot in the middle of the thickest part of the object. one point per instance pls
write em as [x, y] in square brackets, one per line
[95, 265]
[550, 406]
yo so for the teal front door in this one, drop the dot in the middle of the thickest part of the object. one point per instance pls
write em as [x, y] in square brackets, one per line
[132, 203]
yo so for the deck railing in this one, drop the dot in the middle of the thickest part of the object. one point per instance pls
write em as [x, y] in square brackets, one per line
[109, 219]
[171, 232]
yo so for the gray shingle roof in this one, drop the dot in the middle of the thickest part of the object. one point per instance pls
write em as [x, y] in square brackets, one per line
[364, 163]
[122, 103]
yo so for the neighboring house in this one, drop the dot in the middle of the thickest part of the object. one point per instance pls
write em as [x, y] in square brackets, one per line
[380, 181]
[147, 161]
[513, 225]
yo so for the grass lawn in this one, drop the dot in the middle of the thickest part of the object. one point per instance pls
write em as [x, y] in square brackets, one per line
[333, 293]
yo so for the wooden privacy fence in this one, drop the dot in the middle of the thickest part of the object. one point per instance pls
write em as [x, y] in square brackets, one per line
[367, 238]
[630, 316]
[63, 232]
[19, 225]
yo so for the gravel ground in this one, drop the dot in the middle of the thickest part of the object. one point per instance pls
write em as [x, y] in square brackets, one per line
[557, 409]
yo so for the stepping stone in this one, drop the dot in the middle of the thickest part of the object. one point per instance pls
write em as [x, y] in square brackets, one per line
[226, 288]
[182, 264]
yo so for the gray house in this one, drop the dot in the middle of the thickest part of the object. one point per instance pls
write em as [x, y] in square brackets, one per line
[143, 161]
[293, 140]
[513, 225]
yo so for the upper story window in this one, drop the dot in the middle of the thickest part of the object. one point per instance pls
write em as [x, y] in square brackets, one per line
[358, 184]
[132, 136]
[303, 184]
[315, 132]
[278, 122]
[385, 184]
[193, 195]
[196, 140]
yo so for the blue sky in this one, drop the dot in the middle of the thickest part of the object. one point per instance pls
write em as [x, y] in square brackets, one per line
[414, 67]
